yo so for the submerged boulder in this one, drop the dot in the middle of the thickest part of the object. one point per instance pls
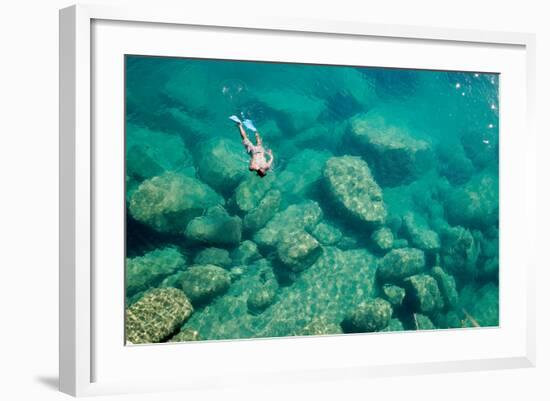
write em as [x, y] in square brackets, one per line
[399, 264]
[352, 186]
[186, 335]
[459, 251]
[213, 256]
[423, 292]
[157, 315]
[215, 227]
[251, 191]
[221, 164]
[398, 157]
[326, 234]
[150, 153]
[393, 294]
[263, 212]
[447, 286]
[145, 271]
[319, 326]
[168, 202]
[419, 233]
[246, 253]
[304, 216]
[297, 250]
[202, 283]
[373, 315]
[476, 203]
[382, 239]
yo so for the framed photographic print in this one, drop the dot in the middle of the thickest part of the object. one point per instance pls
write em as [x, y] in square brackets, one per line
[319, 198]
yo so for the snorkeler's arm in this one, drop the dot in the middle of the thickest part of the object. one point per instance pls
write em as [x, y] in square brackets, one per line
[270, 153]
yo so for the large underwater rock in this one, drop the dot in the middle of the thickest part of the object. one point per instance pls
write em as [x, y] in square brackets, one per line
[213, 256]
[245, 253]
[295, 111]
[352, 186]
[459, 251]
[263, 212]
[202, 283]
[481, 304]
[215, 227]
[222, 164]
[382, 239]
[322, 291]
[297, 250]
[399, 264]
[447, 286]
[326, 234]
[397, 156]
[302, 174]
[319, 326]
[168, 202]
[476, 203]
[423, 292]
[150, 153]
[369, 316]
[304, 216]
[157, 315]
[419, 233]
[251, 191]
[145, 271]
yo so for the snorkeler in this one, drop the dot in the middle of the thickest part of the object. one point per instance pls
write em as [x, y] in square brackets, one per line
[258, 162]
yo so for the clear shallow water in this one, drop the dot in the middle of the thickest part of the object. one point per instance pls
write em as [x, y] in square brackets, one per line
[380, 214]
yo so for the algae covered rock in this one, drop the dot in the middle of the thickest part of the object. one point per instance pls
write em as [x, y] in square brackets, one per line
[263, 212]
[393, 294]
[168, 202]
[220, 164]
[302, 174]
[150, 153]
[251, 191]
[423, 322]
[145, 271]
[260, 298]
[382, 239]
[326, 234]
[476, 203]
[399, 264]
[370, 316]
[480, 305]
[398, 156]
[423, 292]
[394, 325]
[186, 335]
[319, 326]
[297, 250]
[459, 251]
[157, 315]
[304, 216]
[202, 283]
[213, 256]
[352, 186]
[245, 253]
[447, 285]
[419, 233]
[215, 227]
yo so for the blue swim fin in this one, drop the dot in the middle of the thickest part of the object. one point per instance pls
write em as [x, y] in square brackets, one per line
[248, 124]
[236, 119]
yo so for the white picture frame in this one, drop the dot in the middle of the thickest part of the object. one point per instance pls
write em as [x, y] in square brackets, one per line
[82, 159]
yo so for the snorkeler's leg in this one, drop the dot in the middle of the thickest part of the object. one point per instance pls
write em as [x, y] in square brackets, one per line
[258, 139]
[242, 132]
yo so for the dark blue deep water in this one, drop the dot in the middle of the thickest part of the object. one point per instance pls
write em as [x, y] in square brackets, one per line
[379, 213]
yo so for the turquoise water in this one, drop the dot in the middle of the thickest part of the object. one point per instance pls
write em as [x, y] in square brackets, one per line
[380, 212]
